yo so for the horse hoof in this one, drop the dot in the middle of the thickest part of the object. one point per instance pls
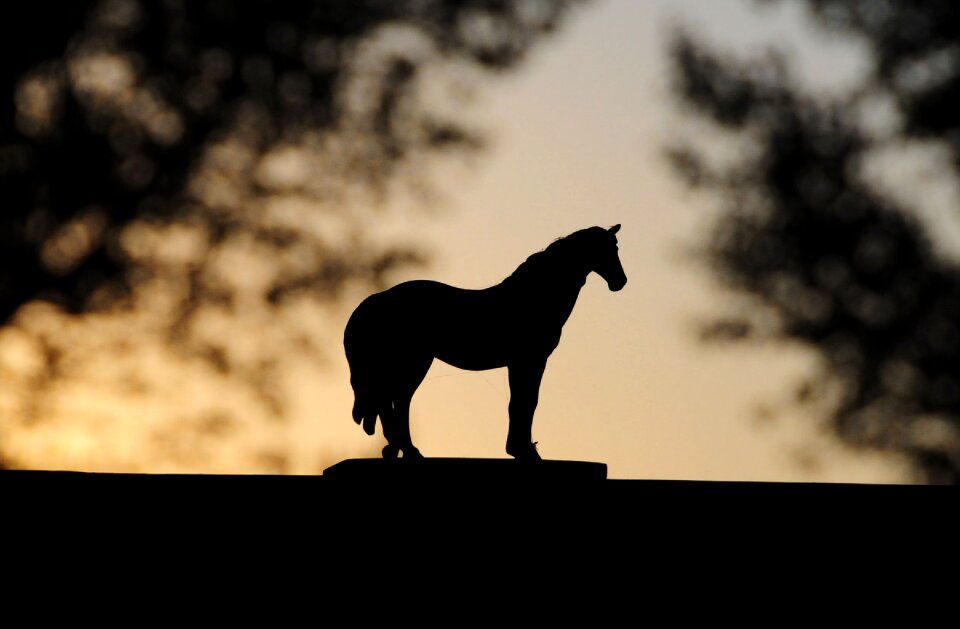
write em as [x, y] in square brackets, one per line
[412, 453]
[526, 452]
[390, 452]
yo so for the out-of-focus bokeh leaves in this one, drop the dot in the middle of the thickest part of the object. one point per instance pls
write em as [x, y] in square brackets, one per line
[203, 171]
[835, 260]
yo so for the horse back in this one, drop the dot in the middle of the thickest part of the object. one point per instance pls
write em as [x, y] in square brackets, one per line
[470, 329]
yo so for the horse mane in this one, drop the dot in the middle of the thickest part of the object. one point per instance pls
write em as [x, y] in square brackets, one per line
[546, 260]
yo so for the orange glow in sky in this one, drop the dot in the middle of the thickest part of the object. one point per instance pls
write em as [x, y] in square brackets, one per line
[577, 136]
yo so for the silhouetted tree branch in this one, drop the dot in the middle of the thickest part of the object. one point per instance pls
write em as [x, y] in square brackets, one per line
[198, 163]
[836, 260]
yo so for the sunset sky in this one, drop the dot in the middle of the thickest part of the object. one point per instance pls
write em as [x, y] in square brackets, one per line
[577, 140]
[576, 137]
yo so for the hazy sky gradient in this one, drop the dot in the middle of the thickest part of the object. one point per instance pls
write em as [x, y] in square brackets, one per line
[577, 139]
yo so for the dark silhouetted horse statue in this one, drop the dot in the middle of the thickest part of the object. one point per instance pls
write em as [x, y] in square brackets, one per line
[393, 337]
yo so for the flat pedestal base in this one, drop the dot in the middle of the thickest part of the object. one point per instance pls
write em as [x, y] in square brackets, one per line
[449, 470]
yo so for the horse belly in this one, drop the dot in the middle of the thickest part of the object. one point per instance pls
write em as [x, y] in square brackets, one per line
[471, 358]
[469, 342]
[465, 332]
[468, 329]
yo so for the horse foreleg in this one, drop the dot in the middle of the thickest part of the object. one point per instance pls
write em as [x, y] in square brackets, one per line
[525, 380]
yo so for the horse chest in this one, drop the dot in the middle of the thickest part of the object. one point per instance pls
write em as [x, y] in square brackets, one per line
[538, 332]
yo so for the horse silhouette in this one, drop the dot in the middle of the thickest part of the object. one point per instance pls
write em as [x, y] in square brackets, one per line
[392, 337]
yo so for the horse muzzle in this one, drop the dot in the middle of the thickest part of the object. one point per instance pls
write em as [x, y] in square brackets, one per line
[617, 284]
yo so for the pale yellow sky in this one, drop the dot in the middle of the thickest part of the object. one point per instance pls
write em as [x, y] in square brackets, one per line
[577, 136]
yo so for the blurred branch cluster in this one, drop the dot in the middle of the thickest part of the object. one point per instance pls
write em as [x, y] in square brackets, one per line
[835, 257]
[207, 166]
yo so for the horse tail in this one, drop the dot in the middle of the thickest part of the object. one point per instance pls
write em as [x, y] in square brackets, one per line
[365, 409]
[365, 398]
[362, 376]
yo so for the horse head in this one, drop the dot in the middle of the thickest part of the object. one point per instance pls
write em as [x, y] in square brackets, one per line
[605, 258]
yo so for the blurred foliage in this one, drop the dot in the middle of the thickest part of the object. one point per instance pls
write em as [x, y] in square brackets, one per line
[835, 258]
[202, 169]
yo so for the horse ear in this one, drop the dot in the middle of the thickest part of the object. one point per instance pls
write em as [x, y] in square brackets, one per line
[614, 229]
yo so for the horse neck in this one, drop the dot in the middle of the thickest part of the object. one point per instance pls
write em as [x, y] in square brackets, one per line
[552, 289]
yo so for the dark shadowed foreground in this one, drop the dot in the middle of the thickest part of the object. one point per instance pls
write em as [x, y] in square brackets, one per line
[538, 496]
[449, 527]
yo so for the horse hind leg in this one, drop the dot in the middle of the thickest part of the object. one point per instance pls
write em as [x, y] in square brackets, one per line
[388, 422]
[395, 420]
[413, 376]
[402, 418]
[394, 411]
[384, 409]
